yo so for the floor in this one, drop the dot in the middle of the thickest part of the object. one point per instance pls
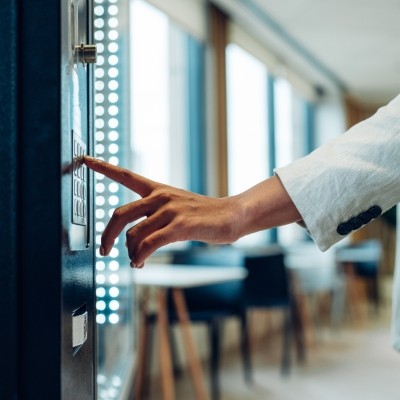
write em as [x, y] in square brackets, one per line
[355, 362]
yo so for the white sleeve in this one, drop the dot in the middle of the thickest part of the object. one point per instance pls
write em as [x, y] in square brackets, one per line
[350, 180]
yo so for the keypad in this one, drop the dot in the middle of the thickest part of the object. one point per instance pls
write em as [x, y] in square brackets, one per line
[79, 182]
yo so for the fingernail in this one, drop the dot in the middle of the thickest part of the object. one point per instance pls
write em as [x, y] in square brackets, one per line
[140, 266]
[102, 251]
[89, 158]
[133, 265]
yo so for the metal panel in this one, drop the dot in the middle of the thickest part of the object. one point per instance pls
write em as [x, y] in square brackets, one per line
[54, 281]
[8, 211]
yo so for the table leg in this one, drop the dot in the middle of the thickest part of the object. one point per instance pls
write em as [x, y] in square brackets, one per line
[193, 359]
[142, 348]
[164, 347]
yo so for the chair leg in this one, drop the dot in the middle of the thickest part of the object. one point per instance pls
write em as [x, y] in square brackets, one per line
[375, 292]
[245, 348]
[287, 331]
[214, 333]
[174, 353]
[298, 330]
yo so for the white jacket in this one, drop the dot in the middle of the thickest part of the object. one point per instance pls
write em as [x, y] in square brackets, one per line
[350, 181]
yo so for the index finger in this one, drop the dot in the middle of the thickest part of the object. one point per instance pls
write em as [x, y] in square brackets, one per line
[135, 182]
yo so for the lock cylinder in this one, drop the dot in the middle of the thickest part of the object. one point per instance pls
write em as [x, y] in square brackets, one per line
[86, 53]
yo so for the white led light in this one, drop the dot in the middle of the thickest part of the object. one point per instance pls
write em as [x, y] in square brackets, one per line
[99, 48]
[100, 265]
[99, 177]
[113, 97]
[99, 98]
[113, 60]
[113, 265]
[101, 305]
[98, 239]
[99, 72]
[114, 305]
[99, 35]
[113, 22]
[114, 279]
[100, 279]
[114, 253]
[99, 110]
[99, 148]
[99, 10]
[100, 60]
[100, 292]
[113, 72]
[113, 10]
[113, 47]
[100, 188]
[116, 381]
[113, 148]
[100, 318]
[100, 200]
[113, 85]
[100, 213]
[113, 123]
[113, 318]
[110, 214]
[112, 35]
[99, 85]
[114, 291]
[99, 136]
[113, 110]
[99, 22]
[113, 135]
[100, 226]
[99, 124]
[113, 200]
[113, 187]
[114, 160]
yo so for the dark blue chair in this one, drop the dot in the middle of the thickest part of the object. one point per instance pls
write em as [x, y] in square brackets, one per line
[366, 257]
[268, 286]
[212, 304]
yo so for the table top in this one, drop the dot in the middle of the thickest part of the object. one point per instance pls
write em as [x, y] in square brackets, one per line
[359, 254]
[185, 276]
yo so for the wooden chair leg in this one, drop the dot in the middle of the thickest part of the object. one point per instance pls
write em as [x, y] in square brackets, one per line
[193, 359]
[142, 355]
[167, 378]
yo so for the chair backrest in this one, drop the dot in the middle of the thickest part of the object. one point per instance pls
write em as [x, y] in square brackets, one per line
[221, 256]
[267, 282]
[217, 299]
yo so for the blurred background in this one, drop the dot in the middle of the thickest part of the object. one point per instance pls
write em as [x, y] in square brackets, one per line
[212, 96]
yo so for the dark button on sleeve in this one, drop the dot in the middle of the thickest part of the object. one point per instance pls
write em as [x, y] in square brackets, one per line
[365, 217]
[344, 229]
[375, 211]
[355, 223]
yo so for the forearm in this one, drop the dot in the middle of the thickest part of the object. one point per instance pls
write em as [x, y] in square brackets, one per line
[266, 205]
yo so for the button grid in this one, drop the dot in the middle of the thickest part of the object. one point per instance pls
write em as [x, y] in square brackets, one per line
[79, 182]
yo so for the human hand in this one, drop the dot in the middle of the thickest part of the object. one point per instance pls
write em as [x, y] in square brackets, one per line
[171, 215]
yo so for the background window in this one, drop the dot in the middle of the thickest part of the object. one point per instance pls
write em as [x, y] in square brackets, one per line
[159, 96]
[247, 115]
[167, 121]
[291, 140]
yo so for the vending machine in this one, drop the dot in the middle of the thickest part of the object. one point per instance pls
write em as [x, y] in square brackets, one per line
[47, 264]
